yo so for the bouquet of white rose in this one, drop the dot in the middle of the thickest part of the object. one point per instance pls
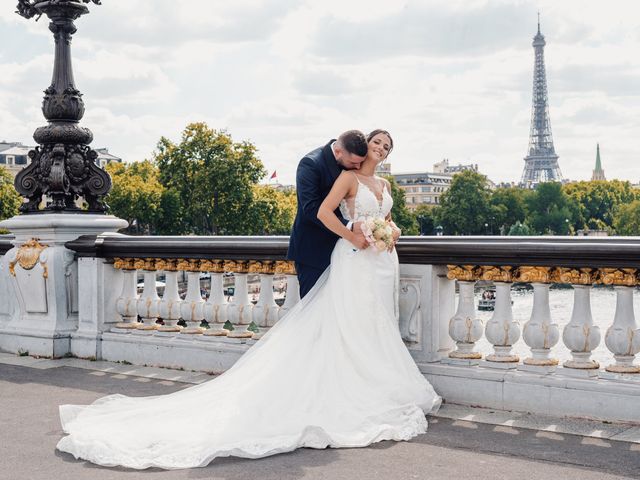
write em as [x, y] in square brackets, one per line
[378, 233]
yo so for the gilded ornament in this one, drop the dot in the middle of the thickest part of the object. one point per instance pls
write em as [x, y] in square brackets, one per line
[581, 276]
[534, 274]
[285, 267]
[466, 273]
[167, 264]
[236, 266]
[189, 264]
[215, 266]
[28, 255]
[498, 274]
[617, 276]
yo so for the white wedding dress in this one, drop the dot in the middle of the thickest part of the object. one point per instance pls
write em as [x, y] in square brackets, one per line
[333, 372]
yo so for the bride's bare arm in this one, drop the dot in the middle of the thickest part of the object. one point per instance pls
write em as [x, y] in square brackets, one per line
[343, 186]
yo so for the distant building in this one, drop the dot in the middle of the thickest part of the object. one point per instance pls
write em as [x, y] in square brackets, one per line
[423, 188]
[444, 167]
[598, 172]
[14, 156]
[426, 188]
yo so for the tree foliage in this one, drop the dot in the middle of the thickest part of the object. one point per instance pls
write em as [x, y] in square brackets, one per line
[273, 211]
[508, 207]
[213, 177]
[551, 210]
[465, 207]
[400, 214]
[426, 216]
[10, 200]
[136, 196]
[598, 201]
[627, 219]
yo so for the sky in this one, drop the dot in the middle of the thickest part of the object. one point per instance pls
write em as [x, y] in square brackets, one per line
[449, 79]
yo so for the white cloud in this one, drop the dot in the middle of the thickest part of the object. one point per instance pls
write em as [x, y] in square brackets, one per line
[447, 78]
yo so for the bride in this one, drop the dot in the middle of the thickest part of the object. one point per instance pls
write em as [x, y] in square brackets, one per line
[333, 372]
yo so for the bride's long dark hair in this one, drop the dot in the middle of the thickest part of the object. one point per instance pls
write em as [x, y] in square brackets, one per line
[376, 132]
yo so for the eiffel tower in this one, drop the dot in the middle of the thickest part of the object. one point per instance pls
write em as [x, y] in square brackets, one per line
[541, 162]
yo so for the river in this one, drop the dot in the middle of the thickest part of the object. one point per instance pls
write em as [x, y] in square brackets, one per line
[603, 305]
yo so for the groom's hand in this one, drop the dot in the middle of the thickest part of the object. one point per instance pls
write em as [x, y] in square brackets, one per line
[359, 241]
[357, 238]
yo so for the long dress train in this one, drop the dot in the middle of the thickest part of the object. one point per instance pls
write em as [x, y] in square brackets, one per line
[333, 372]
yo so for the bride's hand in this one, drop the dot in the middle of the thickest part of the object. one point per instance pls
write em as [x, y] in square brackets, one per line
[395, 235]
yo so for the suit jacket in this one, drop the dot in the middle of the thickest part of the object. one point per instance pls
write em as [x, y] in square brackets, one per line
[311, 243]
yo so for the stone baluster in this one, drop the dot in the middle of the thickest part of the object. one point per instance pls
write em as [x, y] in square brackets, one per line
[501, 330]
[264, 314]
[580, 335]
[169, 306]
[293, 289]
[192, 307]
[147, 304]
[126, 304]
[464, 328]
[239, 309]
[539, 333]
[215, 309]
[623, 337]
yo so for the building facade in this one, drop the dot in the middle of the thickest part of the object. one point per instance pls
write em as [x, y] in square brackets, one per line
[426, 188]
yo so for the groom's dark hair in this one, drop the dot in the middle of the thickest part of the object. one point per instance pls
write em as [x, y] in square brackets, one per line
[354, 142]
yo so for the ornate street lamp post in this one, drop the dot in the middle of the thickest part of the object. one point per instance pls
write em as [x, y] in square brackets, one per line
[62, 165]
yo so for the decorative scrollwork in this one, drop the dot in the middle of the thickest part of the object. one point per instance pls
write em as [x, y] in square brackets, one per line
[466, 273]
[534, 274]
[124, 263]
[28, 8]
[499, 274]
[285, 267]
[63, 165]
[27, 256]
[236, 266]
[617, 276]
[576, 276]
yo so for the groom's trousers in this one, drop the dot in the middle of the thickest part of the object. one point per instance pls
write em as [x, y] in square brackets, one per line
[307, 277]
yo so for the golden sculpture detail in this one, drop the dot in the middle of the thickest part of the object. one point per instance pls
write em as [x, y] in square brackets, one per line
[534, 274]
[285, 267]
[618, 276]
[28, 255]
[539, 274]
[498, 274]
[466, 273]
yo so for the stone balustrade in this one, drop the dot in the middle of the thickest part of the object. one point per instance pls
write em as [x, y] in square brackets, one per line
[167, 301]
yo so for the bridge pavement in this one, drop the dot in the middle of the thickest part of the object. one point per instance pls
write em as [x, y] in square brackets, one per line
[462, 443]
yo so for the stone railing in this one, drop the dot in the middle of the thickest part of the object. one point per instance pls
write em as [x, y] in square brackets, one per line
[7, 298]
[161, 301]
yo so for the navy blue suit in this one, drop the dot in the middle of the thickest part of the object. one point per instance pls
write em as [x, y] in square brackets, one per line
[311, 243]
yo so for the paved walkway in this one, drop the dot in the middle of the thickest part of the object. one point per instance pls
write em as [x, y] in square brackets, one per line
[462, 442]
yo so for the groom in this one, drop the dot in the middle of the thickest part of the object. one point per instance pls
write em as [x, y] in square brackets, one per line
[311, 243]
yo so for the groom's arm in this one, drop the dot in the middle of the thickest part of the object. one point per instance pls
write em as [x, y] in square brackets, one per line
[309, 191]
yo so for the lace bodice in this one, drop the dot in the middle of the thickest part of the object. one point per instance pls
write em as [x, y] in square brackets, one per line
[365, 204]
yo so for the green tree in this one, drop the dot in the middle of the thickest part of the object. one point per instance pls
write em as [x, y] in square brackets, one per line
[273, 211]
[598, 201]
[551, 211]
[213, 177]
[627, 219]
[465, 208]
[400, 214]
[426, 217]
[136, 195]
[10, 200]
[519, 229]
[508, 207]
